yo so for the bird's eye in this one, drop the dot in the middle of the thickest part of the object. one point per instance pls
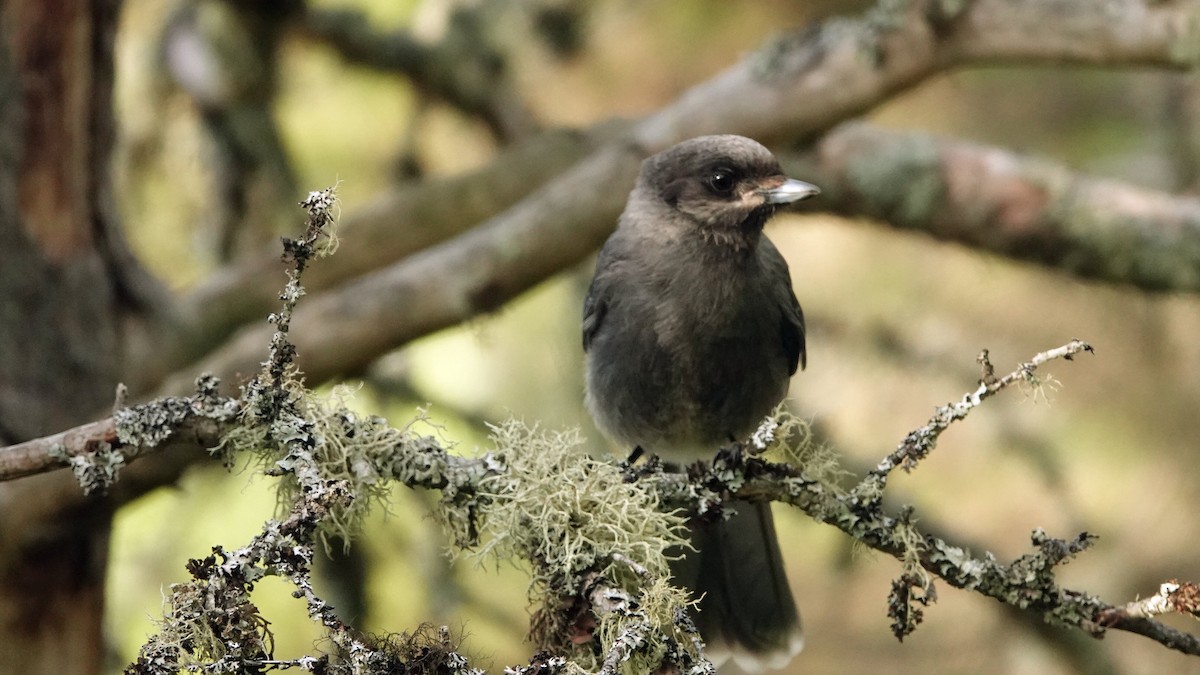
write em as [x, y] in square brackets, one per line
[721, 180]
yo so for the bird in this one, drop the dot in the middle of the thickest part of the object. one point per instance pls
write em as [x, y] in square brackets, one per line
[691, 333]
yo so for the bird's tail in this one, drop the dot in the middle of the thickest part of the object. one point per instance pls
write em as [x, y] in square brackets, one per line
[746, 609]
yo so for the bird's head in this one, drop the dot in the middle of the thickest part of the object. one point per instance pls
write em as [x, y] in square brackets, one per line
[726, 186]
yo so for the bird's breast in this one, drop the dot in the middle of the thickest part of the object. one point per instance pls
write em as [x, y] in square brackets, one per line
[695, 357]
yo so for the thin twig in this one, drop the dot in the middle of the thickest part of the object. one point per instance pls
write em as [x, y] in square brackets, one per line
[920, 442]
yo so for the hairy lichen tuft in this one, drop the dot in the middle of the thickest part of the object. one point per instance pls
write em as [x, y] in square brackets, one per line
[324, 436]
[576, 520]
[792, 441]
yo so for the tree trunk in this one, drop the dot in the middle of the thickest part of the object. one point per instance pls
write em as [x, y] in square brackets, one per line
[65, 290]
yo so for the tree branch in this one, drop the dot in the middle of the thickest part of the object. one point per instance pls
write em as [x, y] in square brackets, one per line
[819, 76]
[98, 450]
[466, 68]
[1026, 583]
[52, 452]
[918, 444]
[346, 329]
[1020, 207]
[394, 226]
[794, 87]
[308, 443]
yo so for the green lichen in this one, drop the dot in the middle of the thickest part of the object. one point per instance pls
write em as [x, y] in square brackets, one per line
[323, 440]
[575, 519]
[902, 180]
[911, 544]
[790, 440]
[568, 511]
[149, 424]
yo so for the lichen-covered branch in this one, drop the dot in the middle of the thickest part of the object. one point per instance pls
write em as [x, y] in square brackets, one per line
[476, 491]
[490, 503]
[210, 624]
[575, 519]
[1173, 597]
[920, 442]
[1026, 583]
[992, 199]
[96, 451]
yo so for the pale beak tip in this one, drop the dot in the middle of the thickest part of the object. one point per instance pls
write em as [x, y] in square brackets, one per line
[791, 190]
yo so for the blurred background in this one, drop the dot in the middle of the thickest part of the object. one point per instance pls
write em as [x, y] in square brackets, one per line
[220, 99]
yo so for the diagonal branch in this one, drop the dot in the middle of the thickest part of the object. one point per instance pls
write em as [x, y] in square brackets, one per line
[398, 223]
[794, 87]
[920, 442]
[817, 77]
[348, 328]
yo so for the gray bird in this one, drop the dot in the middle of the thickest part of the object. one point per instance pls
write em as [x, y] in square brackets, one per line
[692, 332]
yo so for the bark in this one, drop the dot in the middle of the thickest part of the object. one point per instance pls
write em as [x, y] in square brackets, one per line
[65, 283]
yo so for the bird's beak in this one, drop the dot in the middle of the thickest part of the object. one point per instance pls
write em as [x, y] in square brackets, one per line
[788, 191]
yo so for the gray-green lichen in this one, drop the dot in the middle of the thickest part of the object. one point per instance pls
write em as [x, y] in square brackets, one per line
[148, 424]
[577, 522]
[902, 180]
[96, 469]
[314, 440]
[141, 427]
[787, 438]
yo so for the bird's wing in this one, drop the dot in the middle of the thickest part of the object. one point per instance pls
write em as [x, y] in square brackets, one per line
[792, 324]
[594, 307]
[792, 330]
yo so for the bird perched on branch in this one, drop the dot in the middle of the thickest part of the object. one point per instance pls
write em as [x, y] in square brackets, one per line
[692, 332]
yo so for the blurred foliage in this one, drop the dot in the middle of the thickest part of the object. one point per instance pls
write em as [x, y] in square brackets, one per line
[895, 323]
